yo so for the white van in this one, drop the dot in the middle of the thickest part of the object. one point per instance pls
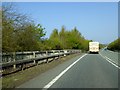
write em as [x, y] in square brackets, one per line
[93, 47]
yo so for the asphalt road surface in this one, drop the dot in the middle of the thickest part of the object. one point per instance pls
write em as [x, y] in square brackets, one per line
[84, 71]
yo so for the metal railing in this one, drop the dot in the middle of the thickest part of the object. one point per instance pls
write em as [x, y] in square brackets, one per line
[21, 60]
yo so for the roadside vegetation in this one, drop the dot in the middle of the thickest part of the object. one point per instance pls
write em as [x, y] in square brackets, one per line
[115, 45]
[20, 33]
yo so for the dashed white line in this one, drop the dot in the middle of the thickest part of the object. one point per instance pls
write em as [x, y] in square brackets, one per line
[110, 61]
[63, 72]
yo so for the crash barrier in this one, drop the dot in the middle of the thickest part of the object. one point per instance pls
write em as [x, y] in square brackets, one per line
[14, 62]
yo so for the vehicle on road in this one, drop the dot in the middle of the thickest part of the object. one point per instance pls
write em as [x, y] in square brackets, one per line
[93, 47]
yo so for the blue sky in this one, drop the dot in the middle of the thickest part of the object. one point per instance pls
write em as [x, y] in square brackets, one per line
[96, 21]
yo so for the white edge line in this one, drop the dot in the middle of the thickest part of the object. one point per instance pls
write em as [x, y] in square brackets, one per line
[110, 61]
[63, 72]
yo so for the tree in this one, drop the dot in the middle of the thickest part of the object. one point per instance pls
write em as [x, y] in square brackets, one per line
[115, 45]
[68, 39]
[62, 37]
[19, 32]
[54, 39]
[8, 33]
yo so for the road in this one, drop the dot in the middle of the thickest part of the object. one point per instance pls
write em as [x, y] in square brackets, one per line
[112, 55]
[84, 71]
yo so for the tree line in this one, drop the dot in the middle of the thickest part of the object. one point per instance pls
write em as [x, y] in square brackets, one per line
[20, 33]
[68, 39]
[115, 45]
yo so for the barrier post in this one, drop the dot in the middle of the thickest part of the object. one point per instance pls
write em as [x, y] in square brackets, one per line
[14, 56]
[34, 57]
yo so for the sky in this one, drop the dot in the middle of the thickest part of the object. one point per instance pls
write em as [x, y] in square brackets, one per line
[97, 21]
[61, 0]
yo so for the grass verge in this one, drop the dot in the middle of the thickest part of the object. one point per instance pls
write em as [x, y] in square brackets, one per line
[14, 80]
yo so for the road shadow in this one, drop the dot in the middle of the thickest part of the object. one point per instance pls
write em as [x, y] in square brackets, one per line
[93, 53]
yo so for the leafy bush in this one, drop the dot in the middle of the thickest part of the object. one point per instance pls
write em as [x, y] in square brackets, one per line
[115, 45]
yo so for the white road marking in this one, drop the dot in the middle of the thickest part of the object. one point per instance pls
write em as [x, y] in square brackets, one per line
[110, 51]
[63, 72]
[110, 61]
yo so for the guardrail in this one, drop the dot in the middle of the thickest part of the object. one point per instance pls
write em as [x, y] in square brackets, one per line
[17, 65]
[8, 57]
